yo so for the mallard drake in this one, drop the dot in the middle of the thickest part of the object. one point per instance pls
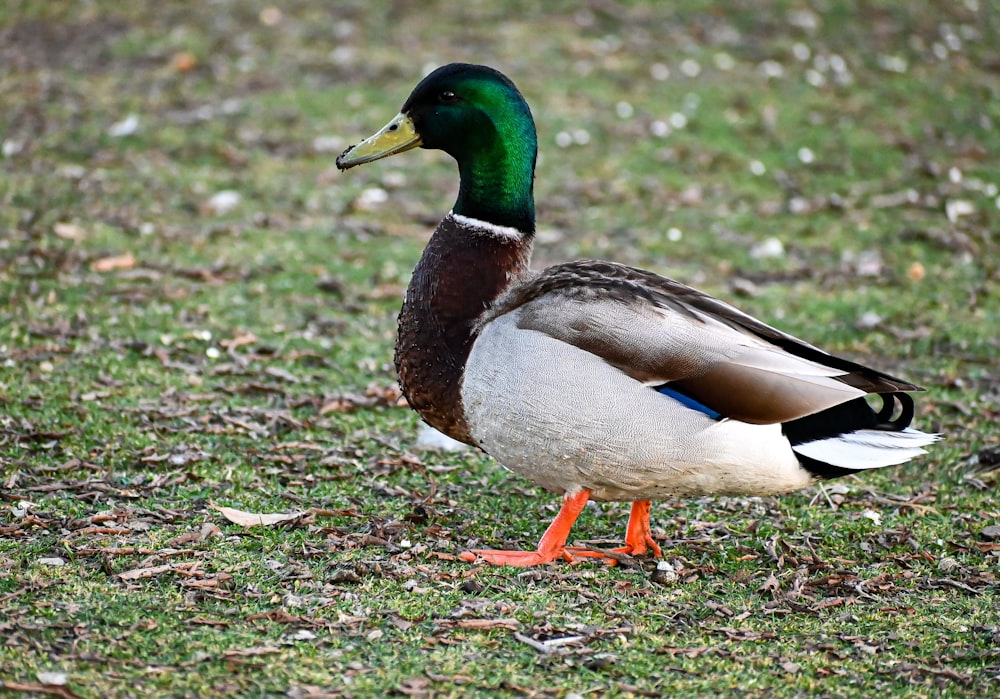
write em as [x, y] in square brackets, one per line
[597, 380]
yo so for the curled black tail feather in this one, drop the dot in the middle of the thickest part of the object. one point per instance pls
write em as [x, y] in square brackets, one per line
[889, 403]
[851, 416]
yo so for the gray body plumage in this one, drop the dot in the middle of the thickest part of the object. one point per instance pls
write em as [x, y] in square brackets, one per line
[567, 420]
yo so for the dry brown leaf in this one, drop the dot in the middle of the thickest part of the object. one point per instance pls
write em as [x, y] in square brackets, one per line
[486, 624]
[69, 231]
[142, 573]
[337, 405]
[256, 519]
[238, 340]
[113, 263]
[55, 690]
[251, 652]
[183, 62]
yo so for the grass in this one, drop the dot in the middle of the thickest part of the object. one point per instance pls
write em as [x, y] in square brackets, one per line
[160, 357]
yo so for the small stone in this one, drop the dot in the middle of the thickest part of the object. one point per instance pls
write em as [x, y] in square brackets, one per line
[328, 144]
[223, 202]
[665, 573]
[772, 247]
[53, 679]
[954, 209]
[873, 516]
[690, 67]
[271, 16]
[659, 72]
[11, 147]
[869, 320]
[126, 127]
[430, 438]
[624, 110]
[371, 199]
[52, 561]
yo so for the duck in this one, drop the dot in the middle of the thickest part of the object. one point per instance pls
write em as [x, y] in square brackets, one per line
[597, 380]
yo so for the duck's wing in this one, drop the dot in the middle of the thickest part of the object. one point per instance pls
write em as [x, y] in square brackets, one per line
[659, 332]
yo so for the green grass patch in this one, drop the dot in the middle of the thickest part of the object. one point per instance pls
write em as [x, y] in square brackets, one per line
[162, 354]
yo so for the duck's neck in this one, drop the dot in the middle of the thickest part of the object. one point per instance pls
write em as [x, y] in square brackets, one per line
[498, 189]
[465, 266]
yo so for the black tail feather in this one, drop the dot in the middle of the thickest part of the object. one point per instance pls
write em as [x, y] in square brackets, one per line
[850, 416]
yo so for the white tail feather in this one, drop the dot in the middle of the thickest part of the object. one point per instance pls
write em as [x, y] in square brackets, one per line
[867, 449]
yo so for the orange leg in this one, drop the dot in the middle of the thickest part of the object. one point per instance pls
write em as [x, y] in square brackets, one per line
[638, 536]
[552, 545]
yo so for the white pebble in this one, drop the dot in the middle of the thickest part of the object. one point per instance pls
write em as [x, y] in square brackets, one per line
[225, 201]
[956, 208]
[430, 438]
[869, 320]
[371, 198]
[126, 127]
[892, 64]
[772, 247]
[723, 61]
[873, 516]
[52, 561]
[328, 144]
[11, 147]
[662, 129]
[771, 69]
[659, 71]
[690, 67]
[54, 679]
[815, 78]
[806, 155]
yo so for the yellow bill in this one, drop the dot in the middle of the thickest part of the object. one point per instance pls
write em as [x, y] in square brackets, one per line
[397, 136]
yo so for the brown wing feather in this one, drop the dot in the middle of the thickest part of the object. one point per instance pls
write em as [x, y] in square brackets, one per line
[657, 330]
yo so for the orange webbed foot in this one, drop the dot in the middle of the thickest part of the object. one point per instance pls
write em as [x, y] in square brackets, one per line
[521, 559]
[552, 545]
[638, 538]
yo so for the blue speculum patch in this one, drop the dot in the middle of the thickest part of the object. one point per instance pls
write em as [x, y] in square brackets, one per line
[688, 402]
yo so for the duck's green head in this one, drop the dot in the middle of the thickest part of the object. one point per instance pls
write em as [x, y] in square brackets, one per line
[475, 114]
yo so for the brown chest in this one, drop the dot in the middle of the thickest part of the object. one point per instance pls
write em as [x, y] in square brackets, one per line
[458, 276]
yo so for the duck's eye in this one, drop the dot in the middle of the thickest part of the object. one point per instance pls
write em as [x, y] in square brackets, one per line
[447, 97]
